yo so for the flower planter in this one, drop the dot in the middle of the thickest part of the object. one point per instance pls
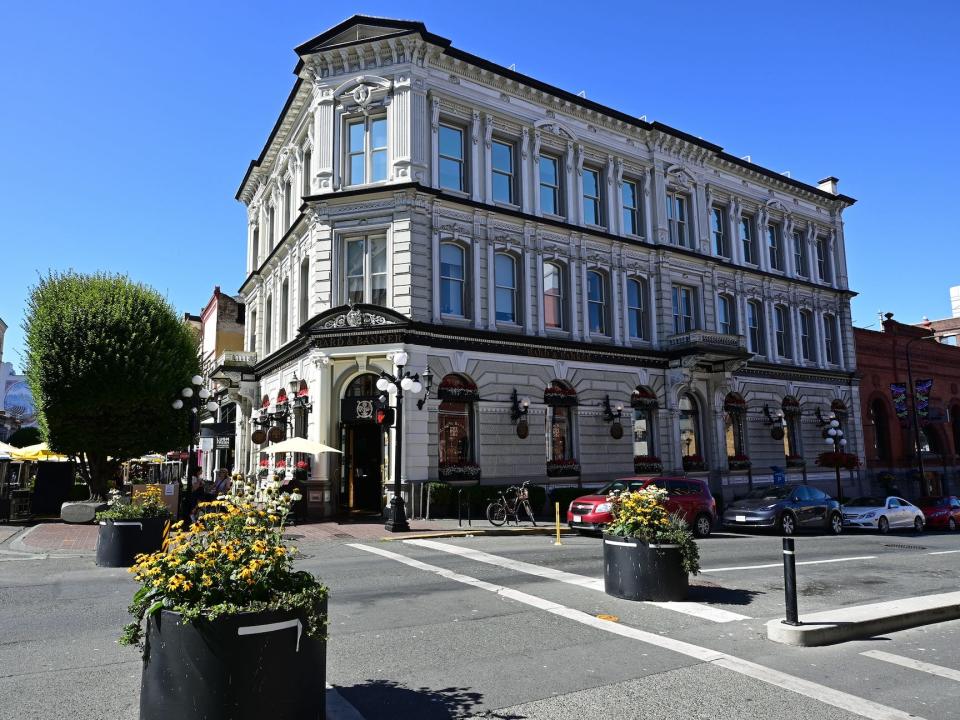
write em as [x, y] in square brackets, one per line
[120, 541]
[247, 666]
[634, 570]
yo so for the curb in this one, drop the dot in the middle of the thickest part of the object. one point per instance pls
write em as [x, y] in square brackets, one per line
[863, 621]
[488, 532]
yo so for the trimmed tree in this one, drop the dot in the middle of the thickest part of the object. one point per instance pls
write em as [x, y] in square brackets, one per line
[105, 359]
[25, 437]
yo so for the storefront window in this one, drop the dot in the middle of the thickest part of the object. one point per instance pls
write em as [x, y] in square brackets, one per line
[791, 427]
[561, 440]
[690, 444]
[455, 420]
[734, 411]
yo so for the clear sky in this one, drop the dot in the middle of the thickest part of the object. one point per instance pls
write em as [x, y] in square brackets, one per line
[126, 127]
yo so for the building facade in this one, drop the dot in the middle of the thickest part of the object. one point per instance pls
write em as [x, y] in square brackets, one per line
[551, 261]
[17, 409]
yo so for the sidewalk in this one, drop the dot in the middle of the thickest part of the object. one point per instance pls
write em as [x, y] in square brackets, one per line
[58, 537]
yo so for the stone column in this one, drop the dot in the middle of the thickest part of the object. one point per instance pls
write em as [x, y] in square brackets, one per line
[323, 141]
[527, 190]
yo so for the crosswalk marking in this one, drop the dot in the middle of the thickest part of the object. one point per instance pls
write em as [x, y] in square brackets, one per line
[913, 664]
[776, 565]
[705, 612]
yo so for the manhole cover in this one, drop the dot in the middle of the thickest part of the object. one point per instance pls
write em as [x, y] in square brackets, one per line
[900, 546]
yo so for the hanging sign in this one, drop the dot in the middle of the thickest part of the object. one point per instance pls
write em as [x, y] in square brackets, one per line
[922, 397]
[899, 393]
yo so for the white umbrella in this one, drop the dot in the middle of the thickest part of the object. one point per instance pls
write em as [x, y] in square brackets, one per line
[300, 445]
[7, 449]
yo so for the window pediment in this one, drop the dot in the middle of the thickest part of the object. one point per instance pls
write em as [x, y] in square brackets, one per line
[364, 93]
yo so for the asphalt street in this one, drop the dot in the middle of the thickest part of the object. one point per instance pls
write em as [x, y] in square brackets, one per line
[507, 627]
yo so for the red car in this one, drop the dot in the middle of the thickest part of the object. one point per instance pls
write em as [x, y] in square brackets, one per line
[689, 496]
[941, 512]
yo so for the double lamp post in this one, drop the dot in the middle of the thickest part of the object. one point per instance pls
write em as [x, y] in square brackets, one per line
[193, 400]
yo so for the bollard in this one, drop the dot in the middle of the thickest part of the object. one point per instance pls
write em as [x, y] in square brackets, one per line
[557, 505]
[459, 508]
[790, 581]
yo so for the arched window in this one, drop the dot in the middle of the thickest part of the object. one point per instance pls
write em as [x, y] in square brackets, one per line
[791, 430]
[554, 296]
[284, 310]
[453, 279]
[268, 326]
[457, 395]
[597, 302]
[644, 403]
[560, 399]
[505, 279]
[691, 445]
[304, 291]
[362, 386]
[881, 430]
[734, 413]
[637, 309]
[930, 441]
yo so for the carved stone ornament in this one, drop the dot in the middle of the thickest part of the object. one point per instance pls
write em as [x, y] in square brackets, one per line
[364, 93]
[364, 409]
[355, 318]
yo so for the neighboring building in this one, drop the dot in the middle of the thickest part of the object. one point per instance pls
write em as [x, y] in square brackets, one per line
[522, 241]
[17, 408]
[889, 439]
[946, 330]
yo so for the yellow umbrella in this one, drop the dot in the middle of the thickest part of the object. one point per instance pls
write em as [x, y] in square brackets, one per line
[300, 445]
[40, 451]
[6, 449]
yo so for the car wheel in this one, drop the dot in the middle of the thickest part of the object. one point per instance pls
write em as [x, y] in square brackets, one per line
[883, 525]
[952, 525]
[702, 525]
[836, 523]
[918, 524]
[788, 524]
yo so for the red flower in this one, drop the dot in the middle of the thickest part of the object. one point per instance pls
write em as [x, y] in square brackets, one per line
[281, 463]
[303, 465]
[264, 463]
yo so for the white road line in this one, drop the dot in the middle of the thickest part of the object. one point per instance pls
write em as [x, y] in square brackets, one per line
[944, 552]
[913, 664]
[776, 565]
[822, 693]
[705, 612]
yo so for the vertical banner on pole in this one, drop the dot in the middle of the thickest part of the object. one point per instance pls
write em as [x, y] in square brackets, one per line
[922, 397]
[898, 392]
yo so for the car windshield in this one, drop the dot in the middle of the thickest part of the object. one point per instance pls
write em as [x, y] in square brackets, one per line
[620, 486]
[935, 502]
[772, 492]
[867, 501]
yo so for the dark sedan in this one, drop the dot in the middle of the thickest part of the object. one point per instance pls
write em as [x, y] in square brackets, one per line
[786, 508]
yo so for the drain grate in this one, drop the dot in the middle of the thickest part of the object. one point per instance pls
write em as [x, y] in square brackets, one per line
[900, 546]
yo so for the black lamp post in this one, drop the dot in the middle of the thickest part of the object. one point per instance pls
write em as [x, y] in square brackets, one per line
[395, 384]
[912, 391]
[839, 442]
[192, 399]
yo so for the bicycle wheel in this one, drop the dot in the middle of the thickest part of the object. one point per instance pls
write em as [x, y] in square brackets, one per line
[496, 514]
[526, 506]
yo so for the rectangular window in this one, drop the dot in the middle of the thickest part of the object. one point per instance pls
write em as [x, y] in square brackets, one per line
[830, 339]
[782, 329]
[597, 303]
[718, 228]
[451, 158]
[748, 240]
[775, 246]
[823, 259]
[684, 319]
[592, 213]
[755, 327]
[287, 203]
[452, 279]
[307, 161]
[631, 208]
[726, 322]
[366, 150]
[255, 252]
[677, 219]
[800, 254]
[806, 346]
[253, 331]
[501, 158]
[553, 300]
[550, 186]
[561, 435]
[272, 225]
[505, 280]
[365, 270]
[636, 309]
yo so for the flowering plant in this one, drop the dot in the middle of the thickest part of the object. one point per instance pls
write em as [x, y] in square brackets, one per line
[562, 468]
[647, 463]
[147, 503]
[559, 395]
[738, 462]
[264, 463]
[693, 463]
[458, 470]
[643, 514]
[831, 459]
[303, 465]
[232, 560]
[281, 463]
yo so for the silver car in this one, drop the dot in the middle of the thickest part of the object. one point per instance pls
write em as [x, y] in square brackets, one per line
[882, 514]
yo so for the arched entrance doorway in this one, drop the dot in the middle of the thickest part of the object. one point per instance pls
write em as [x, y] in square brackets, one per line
[361, 480]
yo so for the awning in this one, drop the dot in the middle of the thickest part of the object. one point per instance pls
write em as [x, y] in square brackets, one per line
[300, 445]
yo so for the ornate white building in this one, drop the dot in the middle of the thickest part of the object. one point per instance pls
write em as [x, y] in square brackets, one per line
[524, 242]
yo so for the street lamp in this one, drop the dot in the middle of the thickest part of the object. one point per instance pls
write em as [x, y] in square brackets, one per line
[912, 391]
[396, 384]
[192, 400]
[835, 438]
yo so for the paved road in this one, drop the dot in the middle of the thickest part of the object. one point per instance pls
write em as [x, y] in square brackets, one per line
[507, 628]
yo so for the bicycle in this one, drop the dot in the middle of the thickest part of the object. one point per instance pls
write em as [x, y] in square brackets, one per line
[509, 504]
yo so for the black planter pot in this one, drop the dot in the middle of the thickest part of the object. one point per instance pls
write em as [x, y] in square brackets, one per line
[120, 541]
[238, 667]
[633, 570]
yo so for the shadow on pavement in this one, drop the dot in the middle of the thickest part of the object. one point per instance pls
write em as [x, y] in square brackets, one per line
[374, 696]
[716, 595]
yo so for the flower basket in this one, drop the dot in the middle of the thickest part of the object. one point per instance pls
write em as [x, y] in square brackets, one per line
[647, 464]
[560, 396]
[643, 399]
[456, 393]
[694, 463]
[302, 471]
[563, 468]
[738, 462]
[459, 473]
[843, 460]
[795, 461]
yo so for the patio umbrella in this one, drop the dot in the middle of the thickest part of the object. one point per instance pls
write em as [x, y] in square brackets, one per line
[7, 449]
[300, 445]
[40, 451]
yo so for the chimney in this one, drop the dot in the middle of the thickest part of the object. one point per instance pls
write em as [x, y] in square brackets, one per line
[829, 184]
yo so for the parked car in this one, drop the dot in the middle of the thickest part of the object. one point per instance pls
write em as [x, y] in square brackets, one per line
[883, 514]
[786, 508]
[941, 512]
[689, 496]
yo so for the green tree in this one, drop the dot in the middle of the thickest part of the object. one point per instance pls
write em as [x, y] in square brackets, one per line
[105, 359]
[25, 437]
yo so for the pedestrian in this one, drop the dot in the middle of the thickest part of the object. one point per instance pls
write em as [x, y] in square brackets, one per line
[222, 485]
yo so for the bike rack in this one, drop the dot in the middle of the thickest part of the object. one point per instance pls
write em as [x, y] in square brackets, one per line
[460, 508]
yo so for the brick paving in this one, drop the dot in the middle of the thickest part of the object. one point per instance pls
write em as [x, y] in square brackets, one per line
[52, 537]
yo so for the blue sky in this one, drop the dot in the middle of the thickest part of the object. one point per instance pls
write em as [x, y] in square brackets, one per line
[126, 127]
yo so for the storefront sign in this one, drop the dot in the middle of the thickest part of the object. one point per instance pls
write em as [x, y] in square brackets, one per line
[357, 410]
[223, 442]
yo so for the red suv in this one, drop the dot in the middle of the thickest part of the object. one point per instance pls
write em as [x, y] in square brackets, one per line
[688, 496]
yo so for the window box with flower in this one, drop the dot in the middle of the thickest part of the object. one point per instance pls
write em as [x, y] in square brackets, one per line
[459, 472]
[223, 599]
[694, 463]
[647, 464]
[560, 396]
[738, 462]
[563, 468]
[130, 526]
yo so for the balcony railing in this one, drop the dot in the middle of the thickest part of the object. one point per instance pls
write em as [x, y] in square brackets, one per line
[706, 340]
[236, 358]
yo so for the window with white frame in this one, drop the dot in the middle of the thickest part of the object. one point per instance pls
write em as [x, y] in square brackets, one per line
[677, 219]
[726, 317]
[268, 325]
[255, 251]
[799, 254]
[307, 162]
[550, 186]
[287, 203]
[452, 170]
[253, 331]
[272, 225]
[823, 259]
[631, 208]
[554, 300]
[718, 229]
[684, 310]
[365, 269]
[453, 279]
[806, 338]
[304, 304]
[366, 150]
[505, 282]
[597, 302]
[748, 240]
[637, 309]
[504, 173]
[284, 310]
[775, 245]
[830, 339]
[781, 322]
[592, 207]
[755, 335]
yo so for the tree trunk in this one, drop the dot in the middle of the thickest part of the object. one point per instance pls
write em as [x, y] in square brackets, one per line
[98, 476]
